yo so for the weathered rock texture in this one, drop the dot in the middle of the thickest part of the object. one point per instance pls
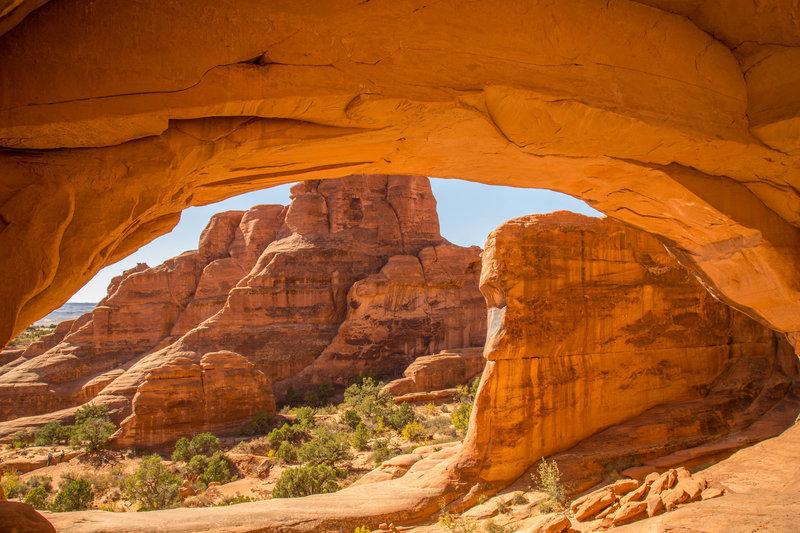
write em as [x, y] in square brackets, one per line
[439, 371]
[353, 276]
[690, 134]
[592, 323]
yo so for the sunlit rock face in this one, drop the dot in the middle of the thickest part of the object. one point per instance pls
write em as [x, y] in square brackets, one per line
[591, 324]
[352, 277]
[680, 118]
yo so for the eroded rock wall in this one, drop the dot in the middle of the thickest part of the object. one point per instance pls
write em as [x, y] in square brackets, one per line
[592, 323]
[352, 277]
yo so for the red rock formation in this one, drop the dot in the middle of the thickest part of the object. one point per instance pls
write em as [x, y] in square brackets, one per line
[353, 276]
[592, 323]
[439, 371]
[177, 399]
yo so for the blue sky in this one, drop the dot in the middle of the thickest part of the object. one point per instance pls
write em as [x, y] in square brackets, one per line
[467, 213]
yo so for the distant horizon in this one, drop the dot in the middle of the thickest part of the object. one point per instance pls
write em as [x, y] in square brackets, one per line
[468, 212]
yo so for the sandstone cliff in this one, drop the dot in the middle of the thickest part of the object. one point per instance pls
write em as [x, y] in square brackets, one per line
[353, 276]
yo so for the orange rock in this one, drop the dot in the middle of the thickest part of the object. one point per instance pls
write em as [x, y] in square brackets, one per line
[630, 512]
[693, 487]
[655, 505]
[624, 486]
[613, 508]
[673, 497]
[439, 371]
[18, 517]
[594, 503]
[711, 493]
[548, 524]
[636, 495]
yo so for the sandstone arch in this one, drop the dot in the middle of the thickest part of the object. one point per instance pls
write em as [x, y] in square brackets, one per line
[679, 118]
[680, 126]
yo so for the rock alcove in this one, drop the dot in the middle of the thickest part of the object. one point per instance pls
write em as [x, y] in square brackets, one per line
[678, 118]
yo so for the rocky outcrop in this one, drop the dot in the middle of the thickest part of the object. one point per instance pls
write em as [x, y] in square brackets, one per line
[591, 324]
[176, 399]
[352, 277]
[439, 371]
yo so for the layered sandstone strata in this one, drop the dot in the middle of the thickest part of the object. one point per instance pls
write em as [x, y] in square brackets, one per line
[592, 323]
[352, 277]
[594, 328]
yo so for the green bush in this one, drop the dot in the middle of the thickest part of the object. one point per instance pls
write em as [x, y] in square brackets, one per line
[183, 451]
[12, 484]
[325, 393]
[286, 452]
[260, 425]
[351, 418]
[233, 500]
[368, 400]
[460, 418]
[21, 439]
[153, 486]
[197, 465]
[33, 482]
[304, 417]
[202, 444]
[413, 432]
[217, 470]
[548, 481]
[361, 437]
[325, 448]
[362, 529]
[382, 451]
[286, 433]
[92, 434]
[307, 480]
[89, 411]
[403, 416]
[291, 396]
[52, 433]
[77, 495]
[37, 498]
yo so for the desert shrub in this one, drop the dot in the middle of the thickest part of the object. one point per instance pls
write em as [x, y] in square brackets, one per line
[382, 451]
[197, 465]
[12, 484]
[37, 498]
[201, 444]
[430, 408]
[259, 446]
[33, 482]
[21, 439]
[217, 470]
[402, 416]
[304, 417]
[52, 433]
[307, 480]
[102, 482]
[351, 418]
[413, 431]
[92, 434]
[518, 499]
[362, 529]
[286, 433]
[325, 393]
[310, 398]
[548, 481]
[460, 418]
[89, 411]
[368, 400]
[326, 447]
[182, 450]
[291, 396]
[75, 496]
[456, 524]
[465, 395]
[153, 486]
[286, 452]
[204, 443]
[260, 425]
[360, 437]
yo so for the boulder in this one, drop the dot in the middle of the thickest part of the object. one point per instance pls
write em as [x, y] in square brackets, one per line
[594, 504]
[18, 517]
[655, 505]
[630, 512]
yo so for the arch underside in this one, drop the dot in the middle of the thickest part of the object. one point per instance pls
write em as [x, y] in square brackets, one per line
[678, 118]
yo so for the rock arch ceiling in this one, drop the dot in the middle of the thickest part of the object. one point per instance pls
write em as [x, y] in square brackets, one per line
[678, 117]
